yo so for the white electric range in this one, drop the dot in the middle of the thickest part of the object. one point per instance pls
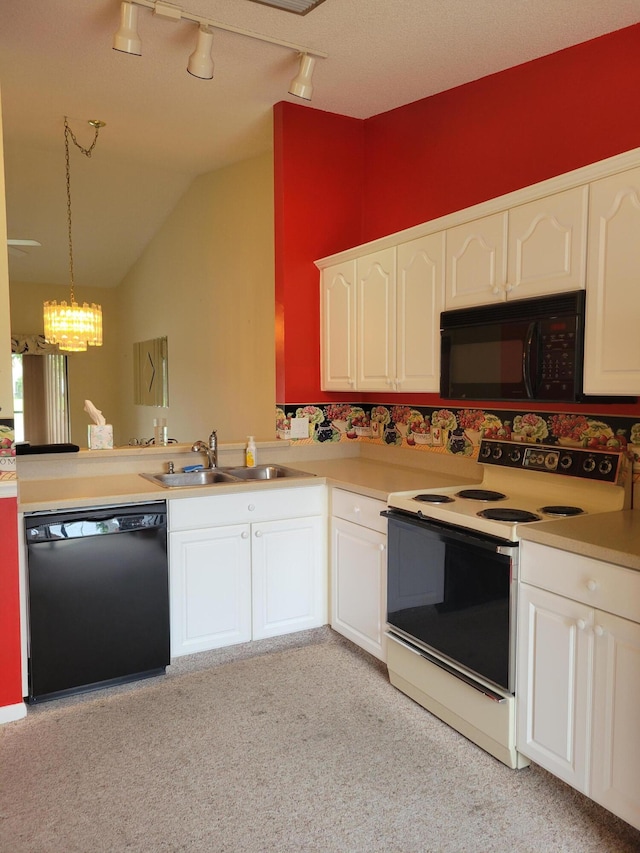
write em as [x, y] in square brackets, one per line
[525, 484]
[453, 562]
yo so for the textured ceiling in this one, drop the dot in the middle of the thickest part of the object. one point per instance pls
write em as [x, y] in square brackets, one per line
[164, 126]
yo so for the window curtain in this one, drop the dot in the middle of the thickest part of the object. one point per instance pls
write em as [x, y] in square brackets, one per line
[56, 398]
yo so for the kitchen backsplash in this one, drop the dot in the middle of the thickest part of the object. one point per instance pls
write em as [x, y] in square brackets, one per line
[458, 431]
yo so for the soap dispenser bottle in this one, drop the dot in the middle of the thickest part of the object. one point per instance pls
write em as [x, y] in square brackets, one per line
[250, 453]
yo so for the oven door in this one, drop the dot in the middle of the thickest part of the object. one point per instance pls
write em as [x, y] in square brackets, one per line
[452, 593]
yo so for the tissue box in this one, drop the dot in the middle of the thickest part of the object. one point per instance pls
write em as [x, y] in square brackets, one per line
[100, 437]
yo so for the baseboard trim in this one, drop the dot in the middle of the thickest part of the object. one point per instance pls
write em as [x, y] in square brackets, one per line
[9, 713]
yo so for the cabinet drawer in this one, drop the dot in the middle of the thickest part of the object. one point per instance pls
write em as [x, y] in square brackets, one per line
[359, 509]
[242, 507]
[601, 585]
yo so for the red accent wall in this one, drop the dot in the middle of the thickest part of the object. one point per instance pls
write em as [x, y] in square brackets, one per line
[10, 669]
[318, 180]
[502, 132]
[341, 182]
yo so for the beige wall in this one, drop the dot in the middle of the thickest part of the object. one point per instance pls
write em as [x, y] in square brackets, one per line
[206, 281]
[91, 373]
[6, 385]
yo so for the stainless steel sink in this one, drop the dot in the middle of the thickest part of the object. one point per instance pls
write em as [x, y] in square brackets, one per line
[207, 477]
[266, 472]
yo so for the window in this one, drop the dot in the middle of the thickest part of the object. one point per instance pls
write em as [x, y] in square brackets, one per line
[18, 397]
[40, 398]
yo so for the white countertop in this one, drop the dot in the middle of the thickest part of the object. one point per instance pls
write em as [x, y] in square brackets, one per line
[374, 478]
[610, 536]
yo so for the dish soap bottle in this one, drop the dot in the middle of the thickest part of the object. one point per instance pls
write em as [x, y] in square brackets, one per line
[250, 453]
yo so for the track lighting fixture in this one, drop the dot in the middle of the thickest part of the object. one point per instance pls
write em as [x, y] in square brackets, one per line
[200, 63]
[127, 39]
[301, 85]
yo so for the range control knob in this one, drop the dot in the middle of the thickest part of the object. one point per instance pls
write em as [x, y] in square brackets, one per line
[486, 451]
[515, 454]
[605, 466]
[497, 452]
[566, 462]
[589, 464]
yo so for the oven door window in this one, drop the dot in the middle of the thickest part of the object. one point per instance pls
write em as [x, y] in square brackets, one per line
[451, 593]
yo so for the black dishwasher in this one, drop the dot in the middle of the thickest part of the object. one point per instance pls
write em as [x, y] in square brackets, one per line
[98, 597]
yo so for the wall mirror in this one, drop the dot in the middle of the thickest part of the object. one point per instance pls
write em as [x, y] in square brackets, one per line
[151, 373]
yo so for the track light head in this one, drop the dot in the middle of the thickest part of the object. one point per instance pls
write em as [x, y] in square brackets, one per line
[127, 39]
[200, 62]
[301, 85]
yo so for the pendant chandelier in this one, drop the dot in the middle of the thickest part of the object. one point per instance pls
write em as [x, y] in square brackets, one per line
[73, 327]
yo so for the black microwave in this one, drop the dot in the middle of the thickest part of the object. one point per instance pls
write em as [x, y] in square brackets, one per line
[528, 349]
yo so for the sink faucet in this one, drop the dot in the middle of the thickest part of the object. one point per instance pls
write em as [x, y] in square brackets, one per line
[211, 449]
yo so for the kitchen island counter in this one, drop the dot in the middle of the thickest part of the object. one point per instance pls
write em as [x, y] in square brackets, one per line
[613, 537]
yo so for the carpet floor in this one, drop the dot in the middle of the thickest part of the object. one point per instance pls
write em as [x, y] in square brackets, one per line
[282, 746]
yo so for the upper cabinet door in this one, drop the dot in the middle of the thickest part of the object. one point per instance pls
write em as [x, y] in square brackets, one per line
[420, 295]
[612, 342]
[531, 250]
[376, 320]
[476, 262]
[338, 327]
[547, 245]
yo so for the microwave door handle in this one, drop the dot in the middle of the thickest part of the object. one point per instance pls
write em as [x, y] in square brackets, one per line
[527, 360]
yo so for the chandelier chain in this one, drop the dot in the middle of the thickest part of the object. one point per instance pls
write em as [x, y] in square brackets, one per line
[87, 152]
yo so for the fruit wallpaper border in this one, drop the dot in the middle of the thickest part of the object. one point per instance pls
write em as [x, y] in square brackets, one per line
[7, 450]
[457, 431]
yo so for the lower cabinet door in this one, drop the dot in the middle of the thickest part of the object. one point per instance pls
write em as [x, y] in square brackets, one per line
[358, 585]
[210, 588]
[615, 768]
[555, 660]
[289, 580]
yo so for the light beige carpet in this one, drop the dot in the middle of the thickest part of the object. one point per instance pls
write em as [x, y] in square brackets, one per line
[304, 747]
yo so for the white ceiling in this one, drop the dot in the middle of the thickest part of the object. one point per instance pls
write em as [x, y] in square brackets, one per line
[164, 126]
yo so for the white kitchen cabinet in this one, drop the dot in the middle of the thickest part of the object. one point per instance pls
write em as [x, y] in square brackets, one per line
[615, 767]
[380, 319]
[338, 327]
[578, 687]
[376, 321]
[419, 301]
[554, 664]
[288, 574]
[246, 565]
[612, 342]
[533, 249]
[210, 588]
[359, 570]
[476, 265]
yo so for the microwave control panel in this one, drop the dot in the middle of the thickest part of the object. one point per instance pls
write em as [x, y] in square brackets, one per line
[558, 363]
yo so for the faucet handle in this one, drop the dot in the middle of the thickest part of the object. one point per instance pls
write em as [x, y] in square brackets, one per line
[213, 439]
[170, 468]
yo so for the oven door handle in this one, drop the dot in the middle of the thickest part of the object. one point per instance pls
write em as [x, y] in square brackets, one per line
[428, 525]
[461, 676]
